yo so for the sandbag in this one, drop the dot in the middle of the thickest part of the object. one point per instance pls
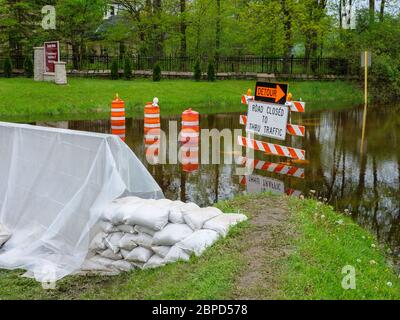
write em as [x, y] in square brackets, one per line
[140, 229]
[112, 214]
[198, 242]
[177, 208]
[126, 228]
[172, 234]
[98, 243]
[143, 239]
[98, 263]
[112, 241]
[147, 215]
[197, 217]
[128, 242]
[223, 222]
[122, 265]
[107, 227]
[139, 254]
[5, 235]
[128, 200]
[176, 254]
[162, 251]
[154, 262]
[109, 254]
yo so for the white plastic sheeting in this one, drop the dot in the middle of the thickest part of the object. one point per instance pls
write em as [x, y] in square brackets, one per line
[54, 185]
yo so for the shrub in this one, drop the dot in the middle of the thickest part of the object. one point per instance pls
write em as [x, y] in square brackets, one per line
[197, 71]
[28, 67]
[7, 67]
[157, 73]
[127, 68]
[211, 72]
[114, 70]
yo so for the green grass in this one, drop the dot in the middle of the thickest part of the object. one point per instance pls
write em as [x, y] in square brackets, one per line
[321, 248]
[25, 100]
[327, 243]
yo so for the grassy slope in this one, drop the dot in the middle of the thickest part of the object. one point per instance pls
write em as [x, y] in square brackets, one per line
[313, 271]
[90, 98]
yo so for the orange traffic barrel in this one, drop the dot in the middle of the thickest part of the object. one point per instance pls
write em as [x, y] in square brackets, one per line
[152, 122]
[118, 120]
[190, 136]
[190, 127]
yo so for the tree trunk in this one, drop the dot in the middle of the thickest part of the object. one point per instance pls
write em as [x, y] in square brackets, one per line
[183, 27]
[288, 37]
[382, 11]
[75, 55]
[158, 33]
[371, 11]
[218, 34]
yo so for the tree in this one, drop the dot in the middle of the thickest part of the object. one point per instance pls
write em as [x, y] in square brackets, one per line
[127, 68]
[183, 28]
[157, 73]
[114, 70]
[382, 10]
[211, 72]
[77, 20]
[197, 71]
[371, 11]
[8, 68]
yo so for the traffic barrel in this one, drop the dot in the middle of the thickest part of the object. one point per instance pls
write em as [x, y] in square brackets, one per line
[118, 119]
[190, 136]
[152, 122]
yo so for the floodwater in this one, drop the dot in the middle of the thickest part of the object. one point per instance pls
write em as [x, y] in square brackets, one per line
[367, 183]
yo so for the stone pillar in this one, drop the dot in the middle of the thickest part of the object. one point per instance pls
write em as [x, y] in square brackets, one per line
[60, 73]
[39, 64]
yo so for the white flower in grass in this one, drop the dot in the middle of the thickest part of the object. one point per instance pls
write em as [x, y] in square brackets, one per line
[340, 222]
[325, 199]
[372, 262]
[359, 260]
[323, 216]
[301, 197]
[389, 284]
[313, 191]
[346, 211]
[373, 245]
[363, 237]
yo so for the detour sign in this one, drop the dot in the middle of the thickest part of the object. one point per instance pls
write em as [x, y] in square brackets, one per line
[271, 92]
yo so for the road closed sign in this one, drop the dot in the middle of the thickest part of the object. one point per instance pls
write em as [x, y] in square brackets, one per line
[267, 119]
[260, 184]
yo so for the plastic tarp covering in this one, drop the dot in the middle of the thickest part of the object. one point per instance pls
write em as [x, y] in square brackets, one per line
[54, 184]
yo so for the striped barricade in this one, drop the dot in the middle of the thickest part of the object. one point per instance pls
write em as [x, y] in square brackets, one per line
[279, 168]
[296, 106]
[271, 148]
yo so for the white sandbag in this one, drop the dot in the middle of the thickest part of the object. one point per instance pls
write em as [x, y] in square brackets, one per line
[162, 251]
[176, 254]
[112, 241]
[199, 241]
[107, 227]
[154, 262]
[197, 217]
[109, 254]
[112, 213]
[172, 234]
[98, 263]
[143, 239]
[126, 228]
[140, 229]
[139, 265]
[223, 222]
[128, 200]
[139, 254]
[163, 202]
[5, 235]
[122, 265]
[98, 243]
[147, 215]
[177, 208]
[128, 242]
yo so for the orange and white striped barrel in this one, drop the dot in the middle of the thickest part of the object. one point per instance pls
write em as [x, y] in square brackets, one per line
[152, 123]
[190, 136]
[118, 120]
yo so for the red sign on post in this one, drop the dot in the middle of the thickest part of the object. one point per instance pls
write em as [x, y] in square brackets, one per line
[51, 55]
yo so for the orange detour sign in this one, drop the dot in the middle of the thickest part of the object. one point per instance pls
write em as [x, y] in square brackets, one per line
[271, 92]
[118, 118]
[190, 136]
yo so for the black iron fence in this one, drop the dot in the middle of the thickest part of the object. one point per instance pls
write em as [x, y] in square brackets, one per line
[317, 66]
[237, 65]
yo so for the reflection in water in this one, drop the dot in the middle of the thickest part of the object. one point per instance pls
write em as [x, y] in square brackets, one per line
[368, 186]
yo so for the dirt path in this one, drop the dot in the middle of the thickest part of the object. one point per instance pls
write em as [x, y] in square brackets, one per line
[263, 245]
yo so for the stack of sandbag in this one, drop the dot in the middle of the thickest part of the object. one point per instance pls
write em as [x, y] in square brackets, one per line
[151, 233]
[5, 235]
